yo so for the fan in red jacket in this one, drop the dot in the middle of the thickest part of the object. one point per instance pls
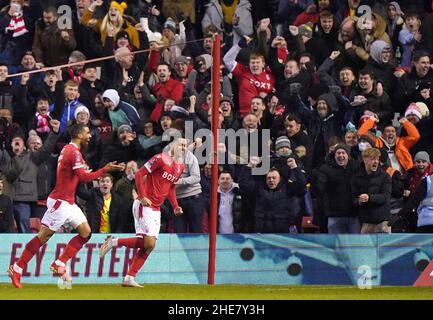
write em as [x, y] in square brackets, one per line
[165, 88]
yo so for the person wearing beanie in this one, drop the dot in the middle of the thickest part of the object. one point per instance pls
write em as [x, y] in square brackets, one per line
[120, 112]
[93, 154]
[169, 25]
[112, 23]
[332, 185]
[419, 115]
[182, 69]
[283, 146]
[417, 212]
[422, 168]
[413, 113]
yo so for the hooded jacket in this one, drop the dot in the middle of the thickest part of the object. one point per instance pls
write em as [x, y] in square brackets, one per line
[383, 72]
[402, 144]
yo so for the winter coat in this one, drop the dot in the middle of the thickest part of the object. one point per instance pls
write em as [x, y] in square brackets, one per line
[277, 209]
[94, 204]
[127, 26]
[375, 103]
[238, 209]
[49, 46]
[123, 188]
[25, 186]
[171, 7]
[6, 215]
[213, 17]
[378, 34]
[15, 47]
[334, 183]
[402, 144]
[245, 25]
[407, 90]
[383, 73]
[378, 187]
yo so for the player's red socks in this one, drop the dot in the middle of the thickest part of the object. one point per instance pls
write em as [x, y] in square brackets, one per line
[131, 243]
[139, 259]
[74, 245]
[30, 250]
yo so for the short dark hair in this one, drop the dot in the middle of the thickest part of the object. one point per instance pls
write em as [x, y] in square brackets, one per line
[225, 172]
[420, 54]
[106, 175]
[51, 9]
[365, 72]
[326, 14]
[293, 117]
[164, 64]
[258, 97]
[348, 68]
[42, 98]
[76, 129]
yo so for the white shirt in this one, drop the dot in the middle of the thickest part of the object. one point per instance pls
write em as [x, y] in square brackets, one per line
[225, 213]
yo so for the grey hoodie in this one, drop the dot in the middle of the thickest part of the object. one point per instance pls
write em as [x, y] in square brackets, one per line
[189, 183]
[376, 50]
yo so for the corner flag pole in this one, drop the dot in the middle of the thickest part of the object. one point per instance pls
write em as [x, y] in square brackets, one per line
[214, 180]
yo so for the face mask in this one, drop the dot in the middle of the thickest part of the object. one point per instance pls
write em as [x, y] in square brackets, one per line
[130, 177]
[362, 146]
[284, 154]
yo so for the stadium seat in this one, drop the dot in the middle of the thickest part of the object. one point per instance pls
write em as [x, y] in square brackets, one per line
[35, 225]
[308, 226]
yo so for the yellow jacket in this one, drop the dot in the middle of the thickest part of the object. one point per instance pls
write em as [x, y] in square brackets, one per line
[127, 26]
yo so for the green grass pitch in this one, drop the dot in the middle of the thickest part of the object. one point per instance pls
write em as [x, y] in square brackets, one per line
[216, 292]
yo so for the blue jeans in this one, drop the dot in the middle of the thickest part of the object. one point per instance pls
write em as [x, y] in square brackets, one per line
[344, 225]
[22, 212]
[192, 218]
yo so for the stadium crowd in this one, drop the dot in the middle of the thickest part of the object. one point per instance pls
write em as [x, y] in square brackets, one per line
[344, 92]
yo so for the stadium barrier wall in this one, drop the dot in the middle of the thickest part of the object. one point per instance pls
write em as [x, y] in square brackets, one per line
[303, 259]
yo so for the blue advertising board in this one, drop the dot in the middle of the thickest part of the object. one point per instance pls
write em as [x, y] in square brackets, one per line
[303, 259]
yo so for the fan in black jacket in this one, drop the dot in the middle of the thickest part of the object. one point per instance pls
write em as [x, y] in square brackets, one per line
[95, 206]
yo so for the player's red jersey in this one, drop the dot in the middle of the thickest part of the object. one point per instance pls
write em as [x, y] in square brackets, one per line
[70, 170]
[161, 174]
[251, 85]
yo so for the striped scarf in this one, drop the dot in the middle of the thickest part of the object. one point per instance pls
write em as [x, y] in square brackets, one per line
[17, 25]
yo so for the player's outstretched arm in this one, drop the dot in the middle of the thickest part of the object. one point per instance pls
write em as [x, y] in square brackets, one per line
[114, 166]
[85, 176]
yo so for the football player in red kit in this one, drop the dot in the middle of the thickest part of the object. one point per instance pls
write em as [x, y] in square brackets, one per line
[154, 181]
[61, 207]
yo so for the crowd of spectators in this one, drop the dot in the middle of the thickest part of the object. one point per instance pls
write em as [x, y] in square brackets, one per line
[343, 87]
